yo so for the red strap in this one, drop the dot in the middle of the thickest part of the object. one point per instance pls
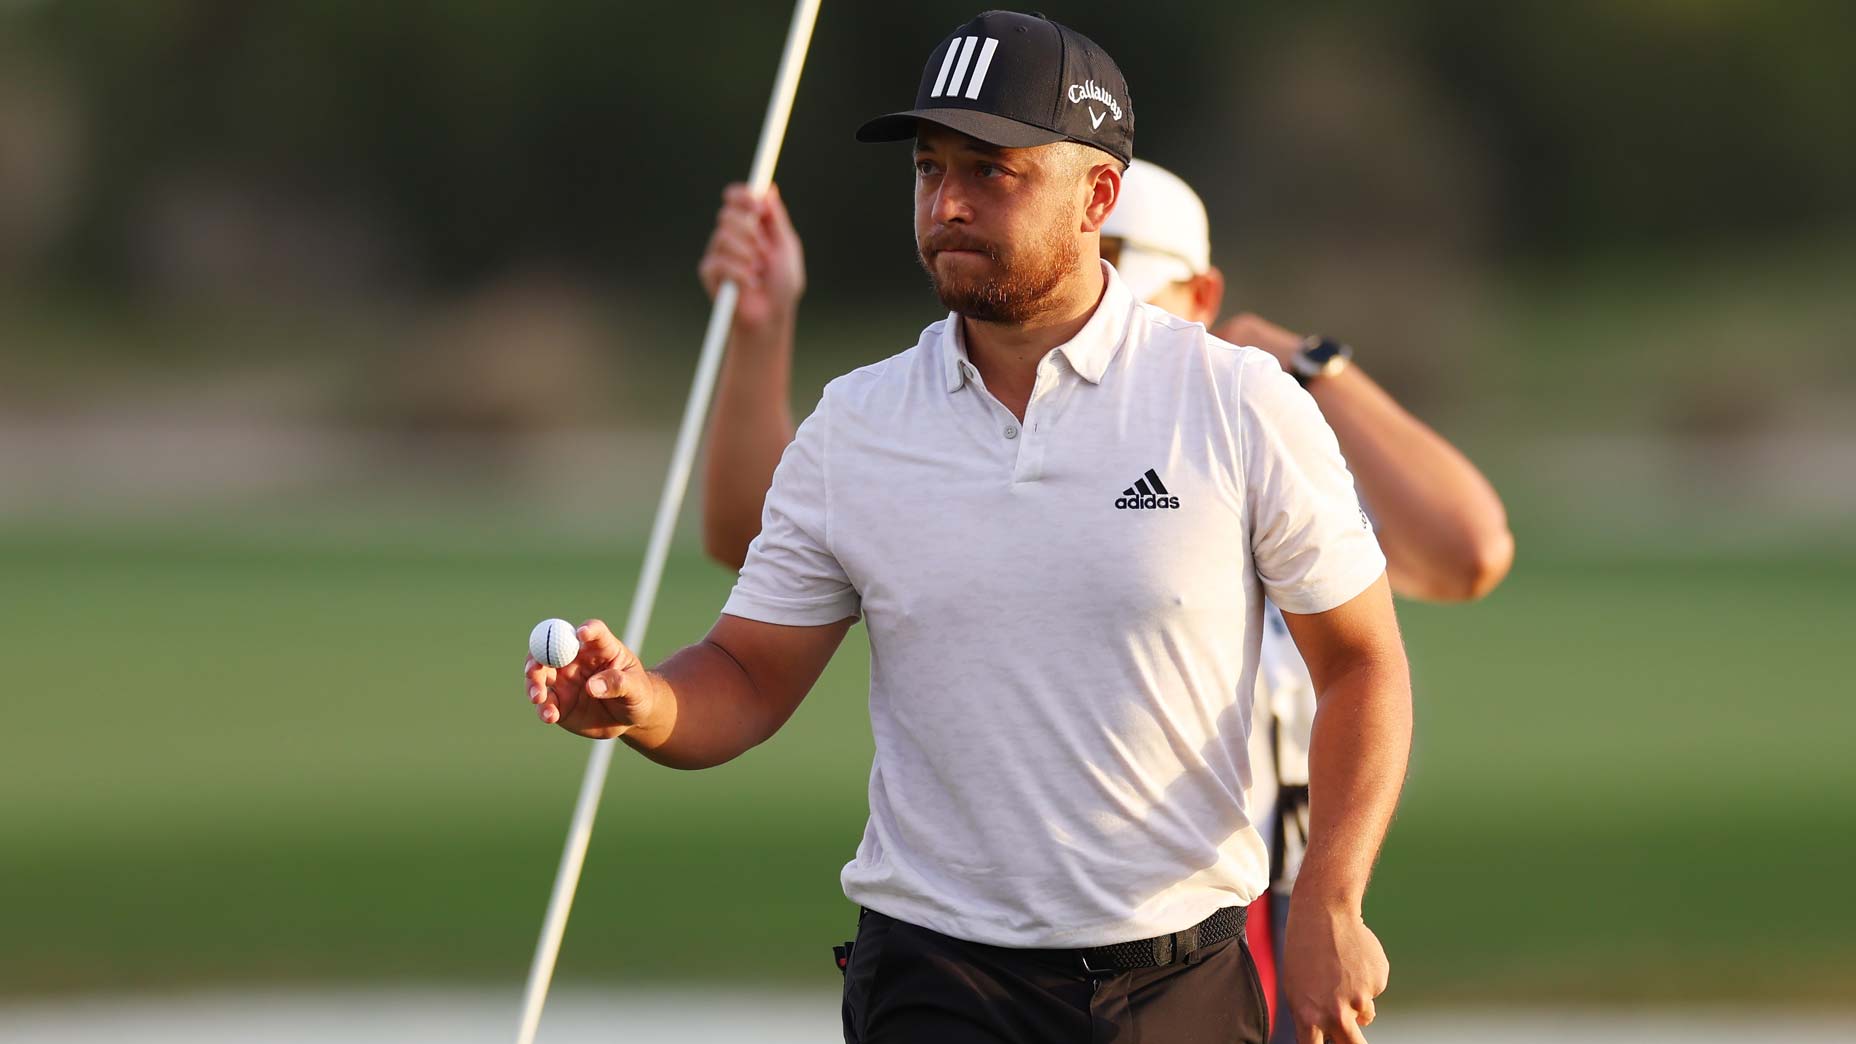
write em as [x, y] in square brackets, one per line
[1260, 931]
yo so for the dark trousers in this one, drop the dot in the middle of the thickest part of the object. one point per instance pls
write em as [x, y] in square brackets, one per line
[908, 985]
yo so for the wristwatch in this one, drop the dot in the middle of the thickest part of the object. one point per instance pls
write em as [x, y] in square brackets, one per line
[1319, 357]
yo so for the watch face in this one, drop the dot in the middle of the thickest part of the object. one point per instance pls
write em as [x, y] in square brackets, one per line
[1324, 350]
[1319, 357]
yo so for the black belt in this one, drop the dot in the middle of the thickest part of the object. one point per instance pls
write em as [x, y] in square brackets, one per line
[1161, 950]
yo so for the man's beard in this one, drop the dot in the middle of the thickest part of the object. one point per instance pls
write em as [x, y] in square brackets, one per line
[1017, 288]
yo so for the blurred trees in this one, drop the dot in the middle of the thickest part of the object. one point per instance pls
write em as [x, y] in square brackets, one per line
[430, 144]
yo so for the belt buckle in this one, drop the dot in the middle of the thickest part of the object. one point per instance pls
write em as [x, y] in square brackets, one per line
[1186, 943]
[1083, 956]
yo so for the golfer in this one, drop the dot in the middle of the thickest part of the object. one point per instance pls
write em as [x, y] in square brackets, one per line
[1440, 523]
[1052, 514]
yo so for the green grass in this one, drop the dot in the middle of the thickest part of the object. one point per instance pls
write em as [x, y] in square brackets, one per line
[224, 763]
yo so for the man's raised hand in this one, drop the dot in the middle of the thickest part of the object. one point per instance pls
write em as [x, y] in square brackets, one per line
[604, 693]
[754, 245]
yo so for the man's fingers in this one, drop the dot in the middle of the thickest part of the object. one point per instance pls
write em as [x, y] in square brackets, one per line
[774, 217]
[562, 695]
[599, 647]
[740, 223]
[1337, 1025]
[741, 251]
[716, 270]
[743, 264]
[1343, 1030]
[738, 206]
[707, 275]
[605, 685]
[736, 242]
[543, 684]
[536, 679]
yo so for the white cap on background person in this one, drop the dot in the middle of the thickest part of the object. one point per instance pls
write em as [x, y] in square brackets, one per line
[1161, 222]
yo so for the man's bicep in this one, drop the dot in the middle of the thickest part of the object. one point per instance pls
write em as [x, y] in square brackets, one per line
[1360, 631]
[781, 661]
[1311, 543]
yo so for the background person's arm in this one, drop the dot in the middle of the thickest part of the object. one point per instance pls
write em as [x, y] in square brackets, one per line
[705, 705]
[1442, 526]
[1333, 965]
[755, 245]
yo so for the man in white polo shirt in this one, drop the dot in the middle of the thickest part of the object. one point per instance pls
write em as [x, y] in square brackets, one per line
[1053, 514]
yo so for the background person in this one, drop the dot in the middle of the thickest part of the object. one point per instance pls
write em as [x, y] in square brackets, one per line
[1439, 522]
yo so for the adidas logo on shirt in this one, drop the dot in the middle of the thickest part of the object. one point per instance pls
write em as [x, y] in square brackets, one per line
[1148, 493]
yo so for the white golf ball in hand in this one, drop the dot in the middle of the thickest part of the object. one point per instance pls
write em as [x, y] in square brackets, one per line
[552, 642]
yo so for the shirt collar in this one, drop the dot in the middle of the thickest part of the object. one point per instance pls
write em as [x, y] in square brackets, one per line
[1088, 353]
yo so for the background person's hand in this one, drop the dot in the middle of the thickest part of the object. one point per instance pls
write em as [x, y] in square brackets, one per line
[602, 694]
[1249, 328]
[755, 245]
[1333, 968]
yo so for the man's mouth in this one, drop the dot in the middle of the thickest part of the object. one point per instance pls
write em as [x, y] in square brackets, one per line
[957, 246]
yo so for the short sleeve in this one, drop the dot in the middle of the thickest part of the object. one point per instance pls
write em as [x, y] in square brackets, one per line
[791, 577]
[1312, 543]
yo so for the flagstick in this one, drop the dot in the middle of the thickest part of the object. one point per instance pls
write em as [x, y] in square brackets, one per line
[682, 462]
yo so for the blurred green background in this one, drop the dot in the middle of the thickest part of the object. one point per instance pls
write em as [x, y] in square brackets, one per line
[340, 342]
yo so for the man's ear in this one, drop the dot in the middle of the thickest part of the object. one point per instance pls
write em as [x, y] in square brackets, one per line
[1208, 293]
[1104, 187]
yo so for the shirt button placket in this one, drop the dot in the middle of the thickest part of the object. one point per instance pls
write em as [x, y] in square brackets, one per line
[1030, 466]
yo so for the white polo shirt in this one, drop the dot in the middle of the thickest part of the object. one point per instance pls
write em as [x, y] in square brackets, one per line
[1064, 616]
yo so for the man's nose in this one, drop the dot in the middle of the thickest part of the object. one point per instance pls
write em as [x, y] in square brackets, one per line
[950, 204]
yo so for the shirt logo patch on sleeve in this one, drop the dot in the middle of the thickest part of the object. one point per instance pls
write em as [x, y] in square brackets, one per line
[1147, 494]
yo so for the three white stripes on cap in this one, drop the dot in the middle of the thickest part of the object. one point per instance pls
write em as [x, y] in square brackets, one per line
[964, 47]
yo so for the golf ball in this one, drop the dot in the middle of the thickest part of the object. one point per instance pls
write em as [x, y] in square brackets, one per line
[552, 642]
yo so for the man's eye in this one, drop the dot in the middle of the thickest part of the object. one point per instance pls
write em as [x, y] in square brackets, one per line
[987, 170]
[924, 167]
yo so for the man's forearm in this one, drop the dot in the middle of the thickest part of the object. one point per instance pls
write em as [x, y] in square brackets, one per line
[703, 710]
[1362, 741]
[1441, 523]
[748, 430]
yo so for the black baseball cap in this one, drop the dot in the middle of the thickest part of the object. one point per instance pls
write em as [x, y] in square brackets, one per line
[1016, 81]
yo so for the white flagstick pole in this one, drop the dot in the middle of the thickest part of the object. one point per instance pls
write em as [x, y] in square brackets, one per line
[682, 461]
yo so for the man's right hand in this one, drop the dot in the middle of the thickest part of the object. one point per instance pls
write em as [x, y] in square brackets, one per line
[603, 694]
[754, 245]
[1333, 969]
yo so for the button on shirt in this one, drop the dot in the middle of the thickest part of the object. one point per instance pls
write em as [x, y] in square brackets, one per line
[1064, 616]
